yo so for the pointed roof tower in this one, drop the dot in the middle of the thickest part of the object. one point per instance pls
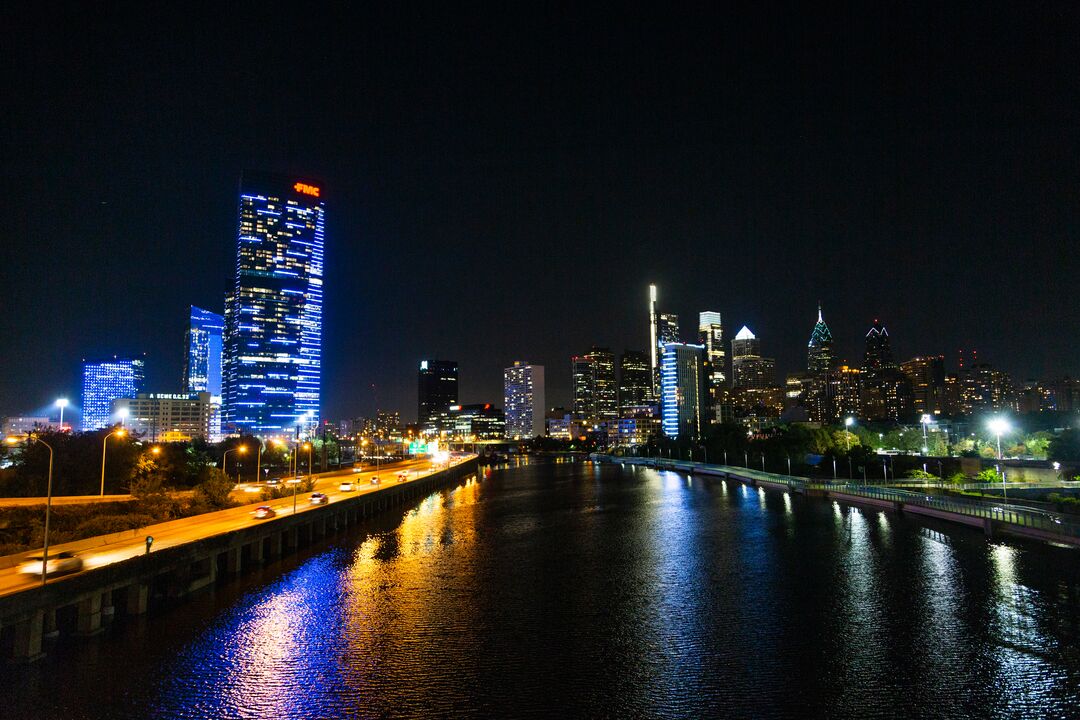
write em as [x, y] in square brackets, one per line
[819, 349]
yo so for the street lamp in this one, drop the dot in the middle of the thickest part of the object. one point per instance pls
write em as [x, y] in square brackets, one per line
[240, 449]
[48, 502]
[119, 432]
[924, 421]
[848, 422]
[61, 403]
[999, 426]
[307, 446]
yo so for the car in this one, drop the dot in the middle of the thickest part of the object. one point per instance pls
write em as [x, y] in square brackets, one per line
[59, 564]
[347, 486]
[402, 476]
[319, 499]
[357, 468]
[273, 482]
[263, 512]
[374, 479]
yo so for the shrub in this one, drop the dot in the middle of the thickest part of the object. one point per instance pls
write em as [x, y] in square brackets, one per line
[921, 475]
[214, 488]
[105, 524]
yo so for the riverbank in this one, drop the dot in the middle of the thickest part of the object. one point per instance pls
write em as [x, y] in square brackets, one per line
[991, 518]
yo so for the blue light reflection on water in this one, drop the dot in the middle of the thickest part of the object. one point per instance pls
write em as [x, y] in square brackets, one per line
[598, 591]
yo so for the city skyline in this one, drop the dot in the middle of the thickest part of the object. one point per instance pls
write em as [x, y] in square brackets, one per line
[754, 209]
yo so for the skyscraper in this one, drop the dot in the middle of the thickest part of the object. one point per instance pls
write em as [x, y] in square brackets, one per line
[595, 388]
[202, 359]
[437, 390]
[749, 370]
[711, 336]
[927, 378]
[105, 381]
[667, 329]
[878, 353]
[272, 363]
[819, 349]
[681, 379]
[634, 381]
[523, 390]
[653, 345]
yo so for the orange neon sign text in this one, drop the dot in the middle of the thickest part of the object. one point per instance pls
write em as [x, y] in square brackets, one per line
[306, 189]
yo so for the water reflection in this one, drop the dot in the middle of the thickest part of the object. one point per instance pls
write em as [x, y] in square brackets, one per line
[576, 590]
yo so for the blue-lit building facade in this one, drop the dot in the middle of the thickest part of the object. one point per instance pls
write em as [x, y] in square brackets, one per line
[202, 359]
[682, 376]
[272, 362]
[105, 381]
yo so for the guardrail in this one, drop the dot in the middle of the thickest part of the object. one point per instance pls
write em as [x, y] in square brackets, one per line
[998, 513]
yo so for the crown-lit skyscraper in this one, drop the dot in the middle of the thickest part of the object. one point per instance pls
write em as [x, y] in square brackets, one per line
[878, 354]
[272, 364]
[711, 336]
[819, 349]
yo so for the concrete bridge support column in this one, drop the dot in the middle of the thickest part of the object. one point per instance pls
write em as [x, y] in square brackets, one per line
[232, 560]
[138, 595]
[275, 545]
[88, 610]
[257, 552]
[292, 537]
[28, 633]
[49, 628]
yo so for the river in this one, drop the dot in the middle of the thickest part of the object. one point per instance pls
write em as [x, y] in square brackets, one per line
[567, 589]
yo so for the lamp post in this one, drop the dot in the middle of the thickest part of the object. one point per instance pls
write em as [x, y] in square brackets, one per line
[61, 403]
[762, 462]
[239, 448]
[789, 465]
[308, 446]
[848, 422]
[48, 503]
[119, 432]
[999, 426]
[924, 420]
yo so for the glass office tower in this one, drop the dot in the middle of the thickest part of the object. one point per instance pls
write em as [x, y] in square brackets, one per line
[105, 381]
[272, 362]
[202, 359]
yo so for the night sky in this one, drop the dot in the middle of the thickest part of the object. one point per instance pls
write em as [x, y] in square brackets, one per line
[503, 183]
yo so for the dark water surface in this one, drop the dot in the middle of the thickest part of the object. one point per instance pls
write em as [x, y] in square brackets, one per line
[574, 590]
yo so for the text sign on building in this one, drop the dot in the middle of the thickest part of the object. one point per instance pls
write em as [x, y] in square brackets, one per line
[306, 189]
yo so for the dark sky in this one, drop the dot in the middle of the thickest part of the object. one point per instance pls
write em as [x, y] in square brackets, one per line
[503, 183]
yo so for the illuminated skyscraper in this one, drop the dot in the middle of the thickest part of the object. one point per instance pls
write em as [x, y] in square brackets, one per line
[272, 363]
[654, 348]
[681, 379]
[105, 381]
[749, 370]
[711, 335]
[202, 359]
[595, 388]
[634, 382]
[437, 390]
[878, 354]
[523, 389]
[819, 349]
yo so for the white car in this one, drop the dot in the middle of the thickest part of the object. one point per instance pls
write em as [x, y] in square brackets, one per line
[59, 564]
[346, 486]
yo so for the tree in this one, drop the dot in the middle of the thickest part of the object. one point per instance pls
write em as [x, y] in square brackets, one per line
[989, 475]
[1066, 446]
[214, 488]
[921, 475]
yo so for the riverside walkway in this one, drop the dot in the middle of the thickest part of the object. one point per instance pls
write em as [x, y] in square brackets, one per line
[991, 517]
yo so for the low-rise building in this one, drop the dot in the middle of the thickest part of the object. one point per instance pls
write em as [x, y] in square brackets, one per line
[167, 417]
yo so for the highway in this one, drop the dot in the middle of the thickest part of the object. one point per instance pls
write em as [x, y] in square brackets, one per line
[96, 552]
